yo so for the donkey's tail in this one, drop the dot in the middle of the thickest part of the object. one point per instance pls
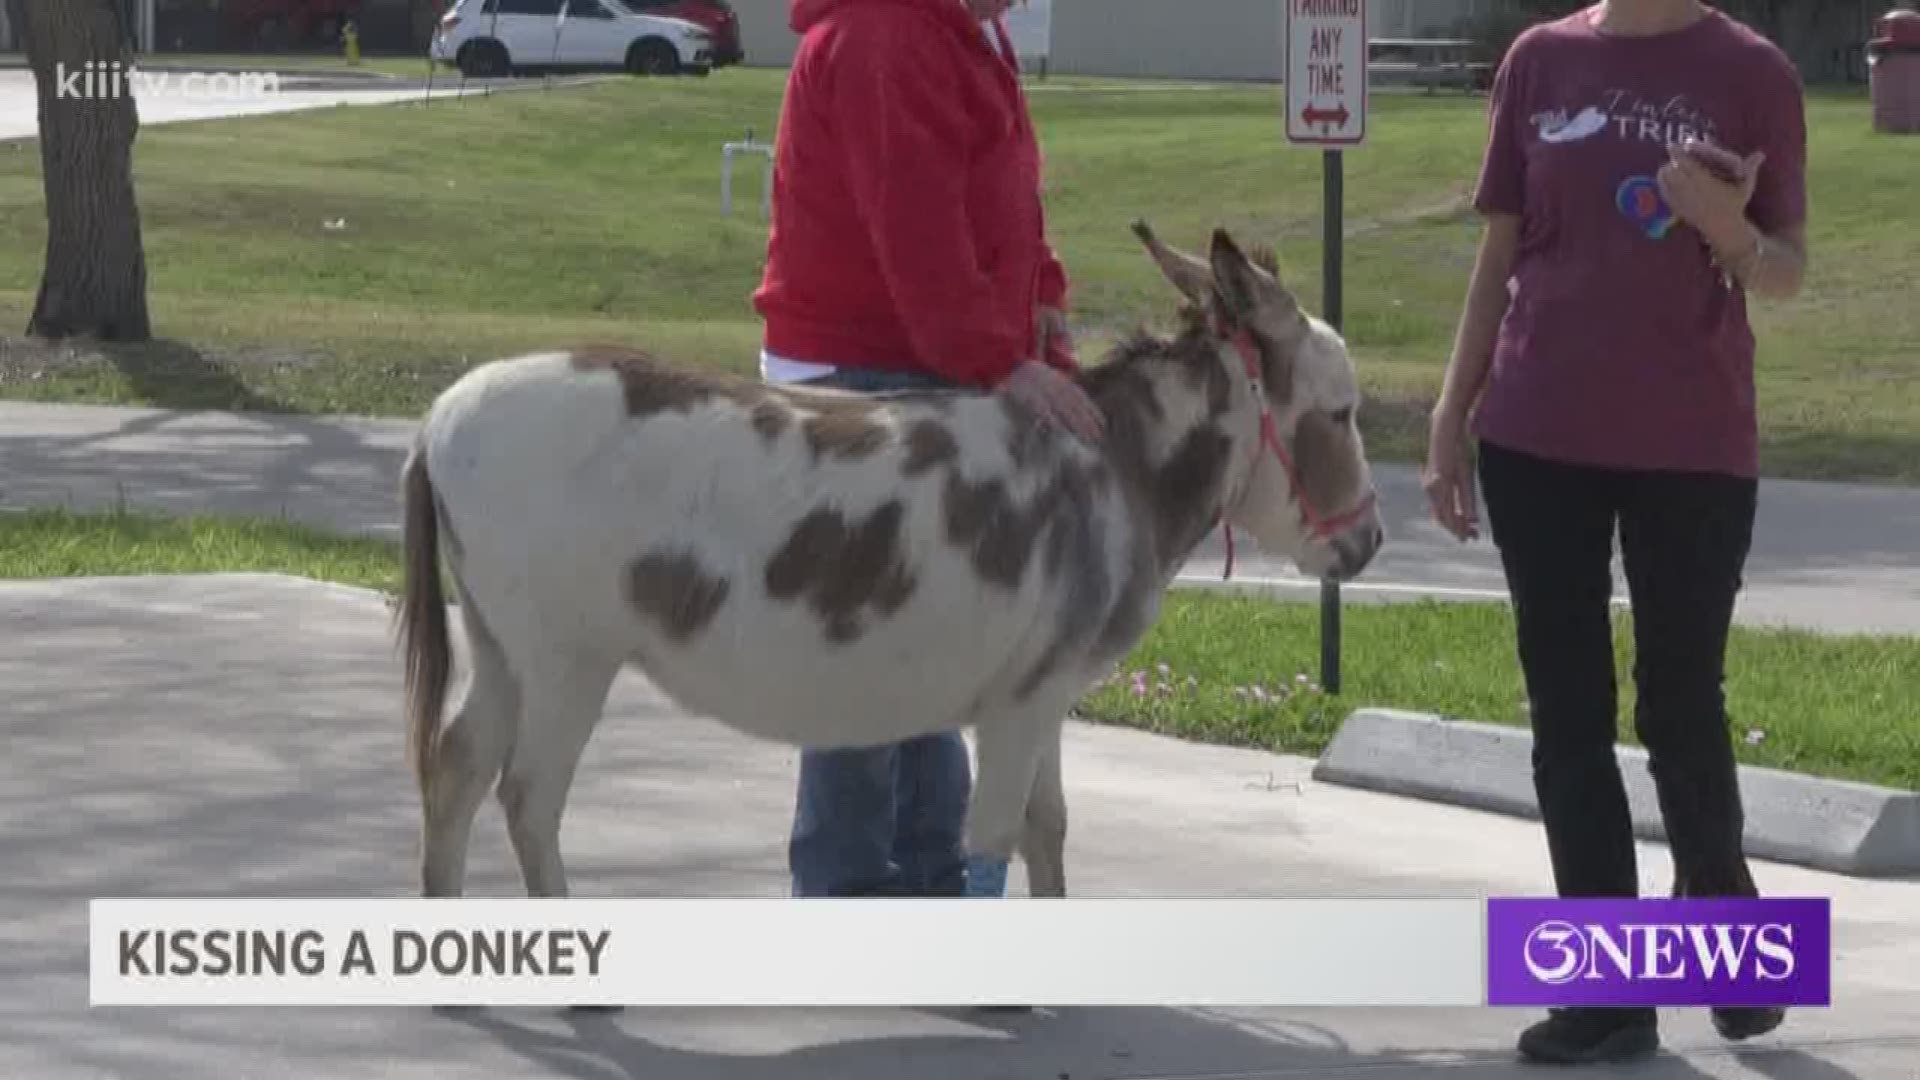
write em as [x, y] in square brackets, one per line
[423, 618]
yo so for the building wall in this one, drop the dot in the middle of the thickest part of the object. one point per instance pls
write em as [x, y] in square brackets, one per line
[1213, 39]
[764, 33]
[1180, 39]
[1185, 39]
[1826, 40]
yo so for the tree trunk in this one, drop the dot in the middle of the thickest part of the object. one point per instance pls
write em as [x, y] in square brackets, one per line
[96, 275]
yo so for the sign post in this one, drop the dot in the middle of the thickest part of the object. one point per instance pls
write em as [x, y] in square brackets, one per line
[1326, 106]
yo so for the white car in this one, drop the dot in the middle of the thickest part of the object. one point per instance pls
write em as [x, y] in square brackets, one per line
[495, 38]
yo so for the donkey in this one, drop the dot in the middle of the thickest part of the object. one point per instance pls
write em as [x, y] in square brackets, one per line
[828, 569]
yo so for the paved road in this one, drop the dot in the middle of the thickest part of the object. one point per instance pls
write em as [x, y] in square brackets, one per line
[237, 736]
[19, 109]
[1838, 558]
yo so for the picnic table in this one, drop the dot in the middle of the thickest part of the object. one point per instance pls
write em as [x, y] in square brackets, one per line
[1430, 62]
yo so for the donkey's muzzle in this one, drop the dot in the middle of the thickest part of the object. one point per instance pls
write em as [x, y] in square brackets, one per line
[1355, 549]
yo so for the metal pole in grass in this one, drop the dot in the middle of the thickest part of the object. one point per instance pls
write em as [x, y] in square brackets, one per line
[1334, 183]
[559, 20]
[434, 33]
[1326, 92]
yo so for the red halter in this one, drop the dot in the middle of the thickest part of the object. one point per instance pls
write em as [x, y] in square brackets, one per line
[1319, 525]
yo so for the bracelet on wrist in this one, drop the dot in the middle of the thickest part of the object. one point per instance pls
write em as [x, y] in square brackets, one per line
[1737, 271]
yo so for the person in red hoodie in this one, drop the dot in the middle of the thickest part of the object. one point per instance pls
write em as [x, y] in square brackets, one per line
[908, 249]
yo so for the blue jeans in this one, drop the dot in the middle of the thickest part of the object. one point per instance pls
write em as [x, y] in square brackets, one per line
[888, 820]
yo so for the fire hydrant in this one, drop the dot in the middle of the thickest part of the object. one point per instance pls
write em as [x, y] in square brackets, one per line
[350, 41]
[1893, 56]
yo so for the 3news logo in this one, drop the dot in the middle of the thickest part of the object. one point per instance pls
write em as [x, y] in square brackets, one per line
[1695, 952]
[1559, 952]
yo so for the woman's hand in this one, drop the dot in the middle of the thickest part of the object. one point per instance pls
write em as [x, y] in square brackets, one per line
[1053, 328]
[1448, 478]
[1056, 398]
[1709, 187]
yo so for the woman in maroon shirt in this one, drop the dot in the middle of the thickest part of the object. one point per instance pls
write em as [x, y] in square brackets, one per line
[1644, 174]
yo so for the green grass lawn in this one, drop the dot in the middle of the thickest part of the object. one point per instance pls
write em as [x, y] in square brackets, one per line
[476, 228]
[1241, 671]
[1237, 670]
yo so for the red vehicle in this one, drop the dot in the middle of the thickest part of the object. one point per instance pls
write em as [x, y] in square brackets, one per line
[717, 16]
[271, 25]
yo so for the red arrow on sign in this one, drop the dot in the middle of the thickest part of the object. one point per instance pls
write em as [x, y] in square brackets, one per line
[1313, 115]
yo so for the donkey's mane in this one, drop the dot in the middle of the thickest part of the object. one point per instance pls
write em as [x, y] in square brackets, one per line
[1188, 348]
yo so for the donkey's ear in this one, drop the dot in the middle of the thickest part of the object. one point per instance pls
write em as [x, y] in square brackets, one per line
[1250, 294]
[1188, 274]
[1234, 277]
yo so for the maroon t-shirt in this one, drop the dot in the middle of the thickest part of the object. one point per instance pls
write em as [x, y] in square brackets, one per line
[1622, 345]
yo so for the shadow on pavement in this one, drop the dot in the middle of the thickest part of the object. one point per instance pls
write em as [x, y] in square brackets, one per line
[1044, 1045]
[1792, 1065]
[338, 474]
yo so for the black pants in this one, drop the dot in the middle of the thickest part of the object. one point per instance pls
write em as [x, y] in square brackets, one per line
[1684, 539]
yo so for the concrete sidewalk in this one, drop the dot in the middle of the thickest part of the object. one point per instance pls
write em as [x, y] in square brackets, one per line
[1829, 557]
[239, 736]
[19, 107]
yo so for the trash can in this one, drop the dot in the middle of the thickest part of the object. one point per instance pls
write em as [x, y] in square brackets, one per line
[1893, 66]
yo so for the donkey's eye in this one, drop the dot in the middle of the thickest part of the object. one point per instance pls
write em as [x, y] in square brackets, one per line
[1343, 416]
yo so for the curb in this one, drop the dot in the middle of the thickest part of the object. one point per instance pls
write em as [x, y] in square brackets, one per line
[343, 79]
[359, 75]
[1861, 830]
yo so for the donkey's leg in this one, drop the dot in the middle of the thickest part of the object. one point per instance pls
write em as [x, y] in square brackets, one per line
[562, 697]
[1043, 848]
[467, 757]
[1011, 747]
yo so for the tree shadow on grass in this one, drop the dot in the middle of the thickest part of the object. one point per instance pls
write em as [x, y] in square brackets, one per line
[160, 372]
[171, 374]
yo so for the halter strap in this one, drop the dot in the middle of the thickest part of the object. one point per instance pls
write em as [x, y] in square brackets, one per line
[1319, 525]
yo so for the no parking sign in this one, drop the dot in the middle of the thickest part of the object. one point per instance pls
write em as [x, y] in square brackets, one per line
[1326, 73]
[1326, 105]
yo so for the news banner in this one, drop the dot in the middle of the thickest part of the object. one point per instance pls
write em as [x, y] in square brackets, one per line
[1087, 952]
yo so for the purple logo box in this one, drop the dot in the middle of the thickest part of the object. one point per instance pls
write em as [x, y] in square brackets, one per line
[1676, 953]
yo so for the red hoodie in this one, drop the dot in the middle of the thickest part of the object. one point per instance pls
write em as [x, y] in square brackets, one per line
[907, 229]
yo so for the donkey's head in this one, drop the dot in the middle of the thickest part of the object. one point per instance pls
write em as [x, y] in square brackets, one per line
[1301, 485]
